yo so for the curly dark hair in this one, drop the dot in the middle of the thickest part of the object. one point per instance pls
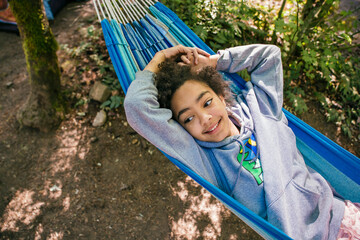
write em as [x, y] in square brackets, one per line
[172, 76]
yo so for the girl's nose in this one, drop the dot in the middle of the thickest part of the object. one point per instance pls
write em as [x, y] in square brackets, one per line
[205, 118]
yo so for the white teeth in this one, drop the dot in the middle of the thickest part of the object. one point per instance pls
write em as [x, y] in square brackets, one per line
[213, 128]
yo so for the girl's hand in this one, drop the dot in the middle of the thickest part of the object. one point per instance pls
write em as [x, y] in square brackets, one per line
[189, 53]
[202, 61]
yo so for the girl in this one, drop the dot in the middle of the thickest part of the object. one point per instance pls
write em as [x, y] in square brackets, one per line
[242, 146]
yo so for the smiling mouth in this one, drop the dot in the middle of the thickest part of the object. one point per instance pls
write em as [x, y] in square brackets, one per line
[213, 128]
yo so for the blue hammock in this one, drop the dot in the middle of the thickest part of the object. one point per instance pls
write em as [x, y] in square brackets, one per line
[335, 164]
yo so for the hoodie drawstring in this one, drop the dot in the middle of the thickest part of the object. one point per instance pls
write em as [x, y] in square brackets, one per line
[243, 157]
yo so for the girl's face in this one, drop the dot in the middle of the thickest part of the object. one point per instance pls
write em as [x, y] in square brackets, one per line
[202, 112]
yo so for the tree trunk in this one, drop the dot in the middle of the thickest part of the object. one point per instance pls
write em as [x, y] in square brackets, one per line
[43, 107]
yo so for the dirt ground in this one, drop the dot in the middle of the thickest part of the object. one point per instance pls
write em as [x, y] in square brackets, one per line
[82, 182]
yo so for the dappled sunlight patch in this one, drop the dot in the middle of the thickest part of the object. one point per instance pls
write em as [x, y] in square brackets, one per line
[62, 160]
[198, 207]
[55, 236]
[39, 230]
[185, 228]
[69, 150]
[66, 203]
[63, 157]
[52, 189]
[69, 138]
[82, 153]
[233, 237]
[209, 232]
[24, 208]
[21, 209]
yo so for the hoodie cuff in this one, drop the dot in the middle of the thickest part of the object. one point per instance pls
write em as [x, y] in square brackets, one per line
[224, 60]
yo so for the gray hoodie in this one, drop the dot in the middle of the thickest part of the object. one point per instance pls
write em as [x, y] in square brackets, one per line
[276, 184]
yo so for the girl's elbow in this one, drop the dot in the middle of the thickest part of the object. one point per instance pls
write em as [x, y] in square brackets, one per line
[130, 106]
[276, 51]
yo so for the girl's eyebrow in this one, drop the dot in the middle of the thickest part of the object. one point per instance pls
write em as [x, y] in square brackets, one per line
[201, 95]
[197, 100]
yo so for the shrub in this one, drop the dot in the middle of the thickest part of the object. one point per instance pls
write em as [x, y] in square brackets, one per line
[317, 45]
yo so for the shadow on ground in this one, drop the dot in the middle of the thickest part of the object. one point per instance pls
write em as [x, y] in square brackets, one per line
[81, 182]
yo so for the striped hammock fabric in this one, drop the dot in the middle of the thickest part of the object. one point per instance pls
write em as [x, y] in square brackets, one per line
[135, 31]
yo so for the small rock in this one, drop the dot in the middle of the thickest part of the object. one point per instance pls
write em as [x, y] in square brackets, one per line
[100, 92]
[9, 84]
[140, 217]
[99, 119]
[134, 141]
[123, 187]
[54, 188]
[143, 143]
[93, 139]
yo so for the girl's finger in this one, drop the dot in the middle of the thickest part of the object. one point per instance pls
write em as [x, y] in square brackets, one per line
[196, 56]
[189, 54]
[185, 59]
[202, 52]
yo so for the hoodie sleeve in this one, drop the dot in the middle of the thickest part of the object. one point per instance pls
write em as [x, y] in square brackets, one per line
[145, 116]
[263, 62]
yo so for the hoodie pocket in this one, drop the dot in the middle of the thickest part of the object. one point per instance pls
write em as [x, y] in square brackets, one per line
[307, 192]
[297, 213]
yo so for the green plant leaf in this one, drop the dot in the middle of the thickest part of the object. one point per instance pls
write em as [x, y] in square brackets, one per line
[105, 104]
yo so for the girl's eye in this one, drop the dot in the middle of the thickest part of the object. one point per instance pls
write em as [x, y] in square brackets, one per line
[208, 102]
[188, 120]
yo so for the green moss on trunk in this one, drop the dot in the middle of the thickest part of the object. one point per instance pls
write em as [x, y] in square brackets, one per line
[40, 49]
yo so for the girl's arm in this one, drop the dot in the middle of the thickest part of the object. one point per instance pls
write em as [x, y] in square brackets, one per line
[156, 124]
[263, 62]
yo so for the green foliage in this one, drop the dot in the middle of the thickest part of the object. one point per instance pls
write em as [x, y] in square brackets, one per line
[296, 96]
[321, 63]
[93, 55]
[221, 23]
[113, 102]
[112, 82]
[89, 47]
[316, 40]
[81, 102]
